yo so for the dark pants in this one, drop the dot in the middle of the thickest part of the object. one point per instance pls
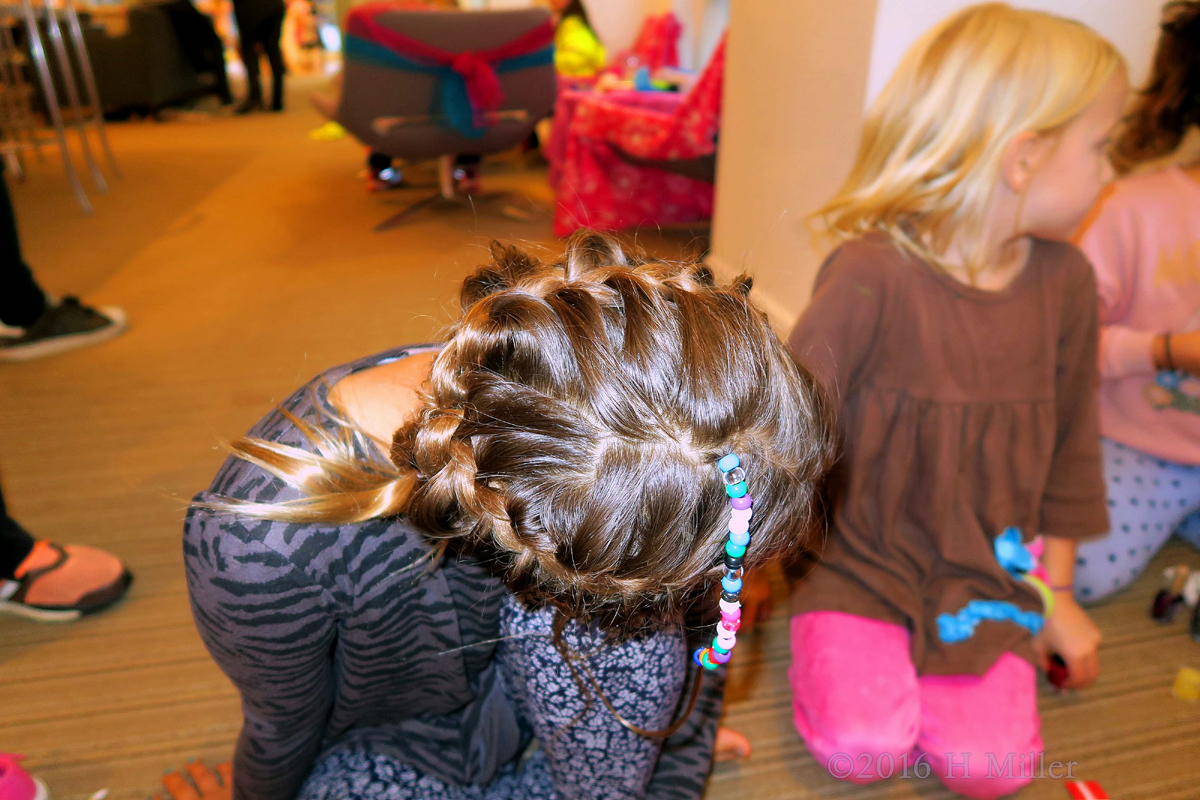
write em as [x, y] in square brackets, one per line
[15, 543]
[21, 299]
[265, 32]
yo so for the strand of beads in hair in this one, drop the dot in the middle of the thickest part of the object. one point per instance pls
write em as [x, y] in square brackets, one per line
[721, 649]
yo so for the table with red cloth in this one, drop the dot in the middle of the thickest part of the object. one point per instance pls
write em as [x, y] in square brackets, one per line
[596, 188]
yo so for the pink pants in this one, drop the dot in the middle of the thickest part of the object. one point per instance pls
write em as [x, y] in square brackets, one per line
[866, 715]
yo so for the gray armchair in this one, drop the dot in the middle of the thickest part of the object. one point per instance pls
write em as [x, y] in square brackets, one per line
[389, 110]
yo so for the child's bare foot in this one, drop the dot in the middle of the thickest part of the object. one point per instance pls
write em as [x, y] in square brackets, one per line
[730, 745]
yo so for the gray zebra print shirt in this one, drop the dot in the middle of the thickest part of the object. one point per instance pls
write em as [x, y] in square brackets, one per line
[332, 642]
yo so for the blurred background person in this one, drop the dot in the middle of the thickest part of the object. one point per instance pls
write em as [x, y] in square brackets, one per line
[260, 24]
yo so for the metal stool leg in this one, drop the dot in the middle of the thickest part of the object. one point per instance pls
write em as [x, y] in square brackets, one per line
[68, 77]
[20, 102]
[43, 70]
[89, 82]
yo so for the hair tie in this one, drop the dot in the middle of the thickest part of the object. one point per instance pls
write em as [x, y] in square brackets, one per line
[720, 651]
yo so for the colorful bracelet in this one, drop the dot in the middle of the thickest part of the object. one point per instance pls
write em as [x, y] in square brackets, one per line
[720, 651]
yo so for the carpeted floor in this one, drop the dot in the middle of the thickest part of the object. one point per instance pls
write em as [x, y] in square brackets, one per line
[244, 255]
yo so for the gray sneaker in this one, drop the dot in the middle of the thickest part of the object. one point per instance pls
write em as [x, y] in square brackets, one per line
[65, 325]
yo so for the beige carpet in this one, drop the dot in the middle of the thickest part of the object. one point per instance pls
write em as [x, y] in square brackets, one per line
[243, 254]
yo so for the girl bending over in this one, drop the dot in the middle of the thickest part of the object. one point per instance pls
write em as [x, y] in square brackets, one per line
[429, 558]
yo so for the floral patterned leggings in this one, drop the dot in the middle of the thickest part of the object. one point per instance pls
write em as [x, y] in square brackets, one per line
[1148, 500]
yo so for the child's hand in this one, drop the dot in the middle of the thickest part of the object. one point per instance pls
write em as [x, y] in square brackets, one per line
[730, 745]
[1071, 633]
[1185, 352]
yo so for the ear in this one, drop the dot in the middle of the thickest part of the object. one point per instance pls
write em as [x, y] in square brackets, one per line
[1020, 161]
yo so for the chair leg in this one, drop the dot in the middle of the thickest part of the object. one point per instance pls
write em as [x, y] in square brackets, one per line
[397, 219]
[43, 70]
[68, 76]
[89, 82]
[446, 177]
[18, 94]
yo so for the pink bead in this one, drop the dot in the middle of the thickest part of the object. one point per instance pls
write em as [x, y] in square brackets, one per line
[743, 514]
[730, 607]
[728, 627]
[739, 525]
[731, 624]
[726, 640]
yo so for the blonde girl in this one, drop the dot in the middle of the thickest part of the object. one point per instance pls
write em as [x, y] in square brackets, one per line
[956, 331]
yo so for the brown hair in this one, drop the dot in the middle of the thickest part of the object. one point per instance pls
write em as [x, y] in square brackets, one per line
[575, 8]
[1170, 102]
[570, 431]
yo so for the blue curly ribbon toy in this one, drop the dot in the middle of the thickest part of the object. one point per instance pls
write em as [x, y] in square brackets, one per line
[1016, 559]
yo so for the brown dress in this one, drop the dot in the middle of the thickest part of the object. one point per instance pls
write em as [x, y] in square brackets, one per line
[961, 412]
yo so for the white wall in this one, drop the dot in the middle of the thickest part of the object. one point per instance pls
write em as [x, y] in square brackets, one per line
[703, 23]
[616, 22]
[795, 74]
[1132, 25]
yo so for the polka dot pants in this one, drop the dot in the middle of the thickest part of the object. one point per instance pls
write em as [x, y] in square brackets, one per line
[1148, 499]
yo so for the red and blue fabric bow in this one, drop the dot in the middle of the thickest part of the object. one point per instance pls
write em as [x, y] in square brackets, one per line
[470, 80]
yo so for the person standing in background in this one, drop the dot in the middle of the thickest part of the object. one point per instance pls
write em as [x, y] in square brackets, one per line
[260, 22]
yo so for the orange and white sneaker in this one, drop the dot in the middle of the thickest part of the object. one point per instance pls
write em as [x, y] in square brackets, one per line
[16, 783]
[61, 584]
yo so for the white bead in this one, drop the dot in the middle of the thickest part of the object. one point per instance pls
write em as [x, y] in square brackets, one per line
[722, 628]
[739, 525]
[726, 641]
[741, 513]
[730, 607]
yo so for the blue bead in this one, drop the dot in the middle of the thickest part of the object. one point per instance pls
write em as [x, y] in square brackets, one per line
[731, 585]
[741, 539]
[737, 489]
[729, 462]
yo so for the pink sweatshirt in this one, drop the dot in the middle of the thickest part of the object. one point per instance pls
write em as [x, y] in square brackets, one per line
[1145, 246]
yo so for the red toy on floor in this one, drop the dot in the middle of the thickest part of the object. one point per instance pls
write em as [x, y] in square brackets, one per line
[1086, 790]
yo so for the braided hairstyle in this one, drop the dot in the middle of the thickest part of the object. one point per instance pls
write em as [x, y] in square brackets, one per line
[572, 423]
[570, 429]
[1170, 102]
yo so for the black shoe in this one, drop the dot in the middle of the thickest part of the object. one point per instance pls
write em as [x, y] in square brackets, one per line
[63, 326]
[248, 105]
